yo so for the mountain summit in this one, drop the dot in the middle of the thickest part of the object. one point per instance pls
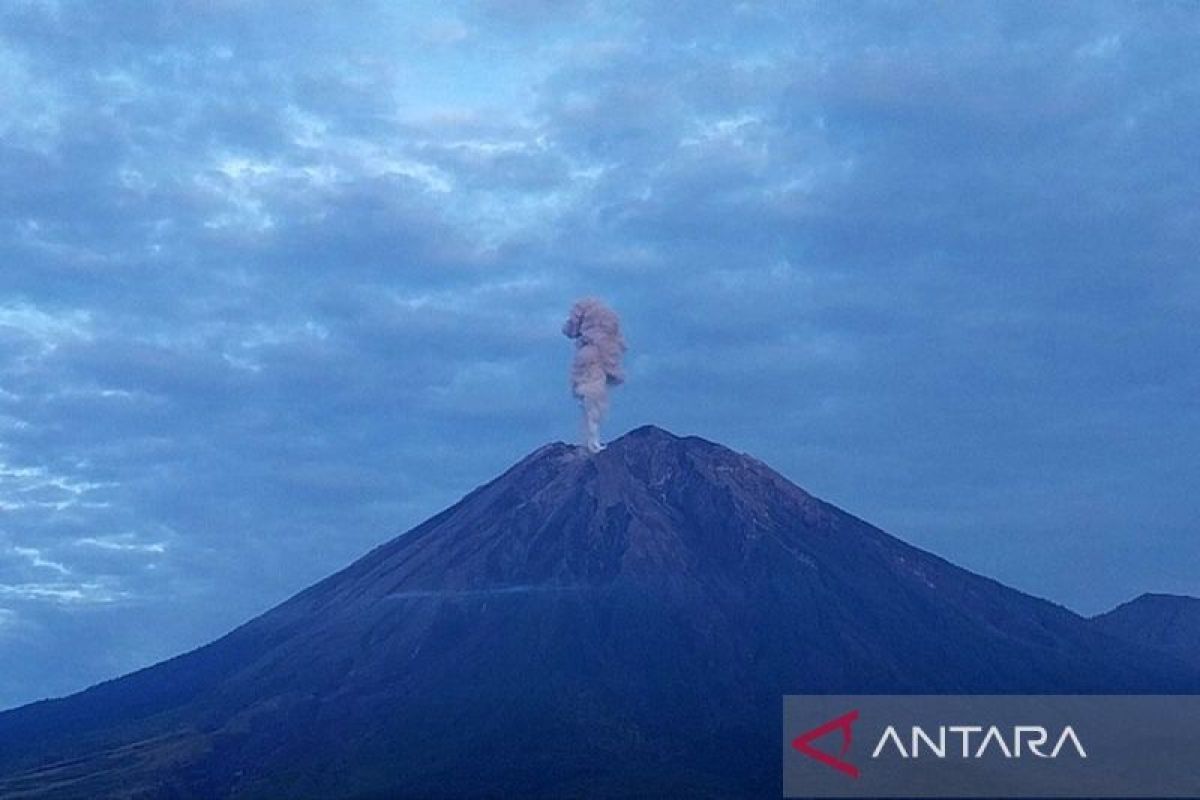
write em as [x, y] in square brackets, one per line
[1166, 622]
[621, 623]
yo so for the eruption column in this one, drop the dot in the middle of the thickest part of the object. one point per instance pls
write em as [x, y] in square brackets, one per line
[599, 347]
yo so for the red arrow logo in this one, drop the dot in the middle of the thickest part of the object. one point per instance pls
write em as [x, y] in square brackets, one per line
[843, 724]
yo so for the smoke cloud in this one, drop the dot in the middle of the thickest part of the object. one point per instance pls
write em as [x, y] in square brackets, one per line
[599, 348]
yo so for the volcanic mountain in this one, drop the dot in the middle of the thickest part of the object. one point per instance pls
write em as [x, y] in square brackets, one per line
[1166, 622]
[618, 624]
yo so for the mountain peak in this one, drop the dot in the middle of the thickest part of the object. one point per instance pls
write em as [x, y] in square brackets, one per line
[1165, 597]
[1166, 622]
[652, 437]
[648, 455]
[642, 437]
[638, 438]
[648, 433]
[650, 470]
[1150, 602]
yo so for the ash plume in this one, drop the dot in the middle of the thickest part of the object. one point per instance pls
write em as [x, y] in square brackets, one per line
[599, 347]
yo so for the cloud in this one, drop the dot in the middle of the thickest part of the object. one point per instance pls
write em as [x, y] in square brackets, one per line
[122, 543]
[64, 593]
[265, 267]
[35, 558]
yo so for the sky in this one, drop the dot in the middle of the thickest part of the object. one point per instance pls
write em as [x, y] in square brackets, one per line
[279, 280]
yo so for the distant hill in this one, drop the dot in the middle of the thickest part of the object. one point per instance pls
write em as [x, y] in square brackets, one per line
[620, 624]
[1165, 622]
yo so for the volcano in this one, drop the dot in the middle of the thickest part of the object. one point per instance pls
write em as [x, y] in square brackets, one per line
[617, 624]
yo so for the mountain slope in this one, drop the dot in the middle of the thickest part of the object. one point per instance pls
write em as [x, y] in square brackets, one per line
[1164, 622]
[617, 624]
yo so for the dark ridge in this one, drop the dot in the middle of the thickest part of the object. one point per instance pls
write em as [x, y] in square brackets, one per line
[1167, 623]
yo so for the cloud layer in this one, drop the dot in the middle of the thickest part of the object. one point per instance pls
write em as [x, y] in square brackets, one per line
[279, 282]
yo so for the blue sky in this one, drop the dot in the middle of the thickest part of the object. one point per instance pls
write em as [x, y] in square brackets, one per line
[279, 280]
